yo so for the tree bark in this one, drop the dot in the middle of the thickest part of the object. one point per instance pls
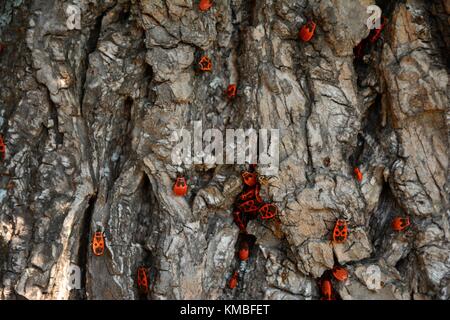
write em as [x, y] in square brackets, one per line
[87, 114]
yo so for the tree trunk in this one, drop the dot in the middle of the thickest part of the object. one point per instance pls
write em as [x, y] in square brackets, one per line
[89, 107]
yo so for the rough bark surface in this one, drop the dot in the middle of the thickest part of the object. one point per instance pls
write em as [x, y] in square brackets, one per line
[87, 114]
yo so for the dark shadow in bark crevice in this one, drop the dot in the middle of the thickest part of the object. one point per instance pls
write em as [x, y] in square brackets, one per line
[380, 220]
[146, 222]
[84, 247]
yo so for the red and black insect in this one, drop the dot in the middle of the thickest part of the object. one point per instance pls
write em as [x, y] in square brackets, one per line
[205, 64]
[326, 289]
[367, 43]
[98, 243]
[231, 91]
[307, 31]
[377, 32]
[239, 220]
[358, 174]
[244, 251]
[400, 223]
[142, 280]
[234, 280]
[250, 178]
[180, 187]
[248, 195]
[340, 231]
[2, 148]
[339, 273]
[205, 5]
[249, 206]
[268, 211]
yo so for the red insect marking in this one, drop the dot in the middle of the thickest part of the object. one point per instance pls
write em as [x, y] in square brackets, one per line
[268, 211]
[248, 206]
[249, 178]
[2, 148]
[98, 243]
[244, 251]
[400, 224]
[377, 32]
[248, 195]
[142, 280]
[307, 31]
[340, 273]
[257, 196]
[205, 64]
[340, 231]
[358, 174]
[326, 289]
[180, 187]
[231, 91]
[234, 280]
[205, 5]
[237, 218]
